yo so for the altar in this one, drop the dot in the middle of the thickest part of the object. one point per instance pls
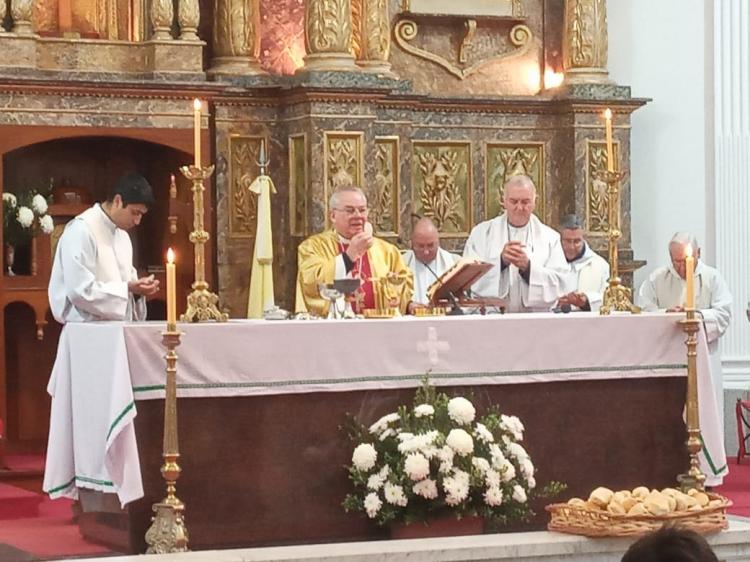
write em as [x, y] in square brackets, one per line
[261, 404]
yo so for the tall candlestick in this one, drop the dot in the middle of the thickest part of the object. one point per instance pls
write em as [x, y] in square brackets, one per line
[689, 277]
[197, 105]
[610, 148]
[171, 293]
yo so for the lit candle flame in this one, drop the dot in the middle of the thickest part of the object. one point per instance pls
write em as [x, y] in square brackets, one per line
[170, 255]
[688, 250]
[608, 113]
[197, 104]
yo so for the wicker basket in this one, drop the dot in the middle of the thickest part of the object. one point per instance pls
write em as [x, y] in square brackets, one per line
[578, 520]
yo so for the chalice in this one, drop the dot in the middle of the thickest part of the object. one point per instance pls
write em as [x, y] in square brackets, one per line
[335, 293]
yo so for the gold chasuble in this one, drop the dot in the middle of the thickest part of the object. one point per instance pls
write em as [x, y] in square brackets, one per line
[316, 263]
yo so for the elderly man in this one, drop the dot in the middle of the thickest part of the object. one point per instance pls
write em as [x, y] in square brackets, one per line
[665, 289]
[530, 266]
[589, 272]
[348, 250]
[426, 259]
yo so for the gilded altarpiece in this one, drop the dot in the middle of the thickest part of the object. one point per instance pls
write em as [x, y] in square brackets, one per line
[385, 206]
[344, 161]
[597, 199]
[505, 160]
[298, 184]
[442, 185]
[244, 155]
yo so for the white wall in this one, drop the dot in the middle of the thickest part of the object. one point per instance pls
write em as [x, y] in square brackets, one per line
[658, 48]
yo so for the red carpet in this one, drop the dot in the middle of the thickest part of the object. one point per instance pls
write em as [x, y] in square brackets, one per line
[737, 486]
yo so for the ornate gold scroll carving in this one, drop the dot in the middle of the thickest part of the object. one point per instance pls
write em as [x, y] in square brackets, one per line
[162, 14]
[375, 36]
[21, 11]
[597, 198]
[237, 37]
[328, 34]
[45, 14]
[505, 160]
[406, 32]
[244, 153]
[188, 15]
[585, 41]
[384, 209]
[298, 184]
[441, 184]
[344, 159]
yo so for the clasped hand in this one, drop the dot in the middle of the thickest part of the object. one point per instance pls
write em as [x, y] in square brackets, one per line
[359, 244]
[579, 300]
[514, 254]
[146, 286]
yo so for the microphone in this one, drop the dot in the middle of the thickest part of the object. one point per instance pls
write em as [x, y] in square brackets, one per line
[455, 309]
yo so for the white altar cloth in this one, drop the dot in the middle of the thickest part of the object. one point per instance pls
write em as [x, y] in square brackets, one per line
[108, 366]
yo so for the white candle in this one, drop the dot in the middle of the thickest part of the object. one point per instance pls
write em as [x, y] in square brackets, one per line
[197, 107]
[610, 148]
[689, 277]
[171, 292]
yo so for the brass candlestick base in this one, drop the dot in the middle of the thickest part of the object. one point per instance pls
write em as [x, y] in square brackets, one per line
[694, 478]
[167, 532]
[202, 304]
[616, 296]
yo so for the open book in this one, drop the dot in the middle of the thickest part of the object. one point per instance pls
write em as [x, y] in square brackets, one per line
[454, 283]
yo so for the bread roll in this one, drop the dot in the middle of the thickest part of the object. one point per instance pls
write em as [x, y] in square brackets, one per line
[628, 503]
[641, 492]
[638, 509]
[701, 498]
[578, 502]
[616, 508]
[601, 496]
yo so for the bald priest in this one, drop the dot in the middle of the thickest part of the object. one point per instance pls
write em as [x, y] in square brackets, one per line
[348, 250]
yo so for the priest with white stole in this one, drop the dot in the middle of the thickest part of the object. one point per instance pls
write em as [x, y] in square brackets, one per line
[530, 266]
[589, 272]
[348, 250]
[665, 289]
[426, 259]
[93, 277]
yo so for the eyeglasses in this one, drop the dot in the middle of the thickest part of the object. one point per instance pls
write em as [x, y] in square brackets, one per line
[351, 211]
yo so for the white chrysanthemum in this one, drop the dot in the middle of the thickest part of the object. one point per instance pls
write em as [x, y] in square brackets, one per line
[384, 472]
[364, 456]
[493, 496]
[507, 471]
[527, 468]
[405, 436]
[25, 216]
[497, 456]
[386, 434]
[47, 224]
[383, 422]
[375, 482]
[372, 505]
[417, 467]
[10, 199]
[492, 478]
[461, 410]
[423, 410]
[445, 456]
[418, 442]
[519, 494]
[430, 452]
[531, 481]
[482, 465]
[394, 494]
[426, 488]
[506, 440]
[460, 441]
[517, 451]
[456, 487]
[484, 434]
[39, 204]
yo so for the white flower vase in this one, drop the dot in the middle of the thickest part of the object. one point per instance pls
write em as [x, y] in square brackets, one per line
[10, 256]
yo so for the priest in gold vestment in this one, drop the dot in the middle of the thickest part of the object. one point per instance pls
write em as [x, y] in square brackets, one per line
[349, 250]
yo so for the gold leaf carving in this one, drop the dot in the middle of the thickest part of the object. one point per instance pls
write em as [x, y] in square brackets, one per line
[343, 160]
[378, 34]
[586, 40]
[507, 160]
[328, 26]
[442, 176]
[45, 14]
[244, 155]
[298, 184]
[384, 208]
[597, 208]
[358, 25]
[236, 28]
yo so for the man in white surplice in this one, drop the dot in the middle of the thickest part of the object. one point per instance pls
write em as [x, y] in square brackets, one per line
[426, 259]
[589, 272]
[530, 266]
[665, 290]
[93, 277]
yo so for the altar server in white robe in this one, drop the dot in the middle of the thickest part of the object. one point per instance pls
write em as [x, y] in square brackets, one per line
[530, 266]
[589, 272]
[665, 289]
[93, 277]
[426, 259]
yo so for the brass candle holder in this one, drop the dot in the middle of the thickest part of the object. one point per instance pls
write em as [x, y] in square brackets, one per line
[202, 304]
[693, 478]
[616, 297]
[167, 532]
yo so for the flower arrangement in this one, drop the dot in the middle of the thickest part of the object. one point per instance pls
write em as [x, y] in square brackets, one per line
[24, 216]
[438, 457]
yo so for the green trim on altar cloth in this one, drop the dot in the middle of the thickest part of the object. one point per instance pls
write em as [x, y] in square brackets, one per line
[73, 480]
[415, 378]
[709, 460]
[121, 415]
